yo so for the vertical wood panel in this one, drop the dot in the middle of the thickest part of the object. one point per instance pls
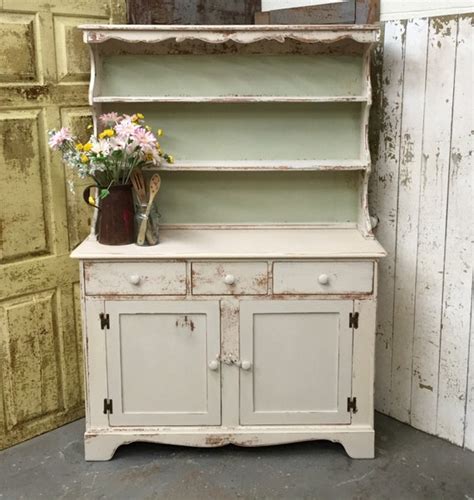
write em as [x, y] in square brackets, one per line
[425, 373]
[386, 172]
[407, 225]
[469, 422]
[432, 222]
[457, 287]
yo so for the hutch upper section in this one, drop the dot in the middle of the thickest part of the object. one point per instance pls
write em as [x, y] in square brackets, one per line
[242, 97]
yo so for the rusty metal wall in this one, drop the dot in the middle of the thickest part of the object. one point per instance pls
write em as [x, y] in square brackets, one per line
[247, 12]
[44, 73]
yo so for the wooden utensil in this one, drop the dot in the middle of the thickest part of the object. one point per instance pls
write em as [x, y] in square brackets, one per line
[138, 182]
[155, 183]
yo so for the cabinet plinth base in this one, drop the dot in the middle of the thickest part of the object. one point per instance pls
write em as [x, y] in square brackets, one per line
[101, 444]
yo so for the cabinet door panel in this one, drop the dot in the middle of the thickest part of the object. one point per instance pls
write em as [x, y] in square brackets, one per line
[158, 356]
[300, 355]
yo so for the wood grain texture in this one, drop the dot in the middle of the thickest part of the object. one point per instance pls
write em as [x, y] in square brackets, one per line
[423, 350]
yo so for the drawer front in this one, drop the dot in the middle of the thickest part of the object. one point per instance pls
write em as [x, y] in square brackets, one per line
[135, 278]
[322, 277]
[229, 278]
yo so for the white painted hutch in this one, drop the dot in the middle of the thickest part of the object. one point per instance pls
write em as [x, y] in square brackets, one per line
[253, 321]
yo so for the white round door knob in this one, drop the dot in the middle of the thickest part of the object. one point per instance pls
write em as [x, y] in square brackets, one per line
[134, 279]
[246, 365]
[213, 365]
[323, 279]
[229, 279]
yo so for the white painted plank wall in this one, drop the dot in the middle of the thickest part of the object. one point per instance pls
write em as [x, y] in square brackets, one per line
[422, 192]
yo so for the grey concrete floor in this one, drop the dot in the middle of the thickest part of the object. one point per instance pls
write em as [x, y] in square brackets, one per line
[409, 465]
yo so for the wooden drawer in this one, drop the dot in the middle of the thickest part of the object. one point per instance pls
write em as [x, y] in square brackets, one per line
[322, 277]
[135, 278]
[229, 278]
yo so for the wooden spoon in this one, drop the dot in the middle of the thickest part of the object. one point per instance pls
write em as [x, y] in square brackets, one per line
[138, 182]
[155, 183]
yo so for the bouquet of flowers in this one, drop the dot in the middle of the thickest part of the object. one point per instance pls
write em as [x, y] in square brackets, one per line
[126, 143]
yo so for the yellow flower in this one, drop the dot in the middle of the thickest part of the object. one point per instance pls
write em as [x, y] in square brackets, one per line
[160, 132]
[134, 118]
[108, 132]
[170, 159]
[90, 126]
[84, 158]
[79, 147]
[140, 116]
[147, 127]
[87, 146]
[149, 157]
[91, 200]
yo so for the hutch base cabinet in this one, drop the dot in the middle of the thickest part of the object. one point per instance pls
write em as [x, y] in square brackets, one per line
[230, 340]
[252, 322]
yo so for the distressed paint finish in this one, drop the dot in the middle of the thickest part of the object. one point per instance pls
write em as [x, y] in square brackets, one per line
[135, 278]
[386, 180]
[43, 84]
[106, 432]
[424, 363]
[228, 263]
[249, 278]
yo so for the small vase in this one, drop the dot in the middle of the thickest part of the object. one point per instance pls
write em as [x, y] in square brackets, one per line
[115, 222]
[151, 223]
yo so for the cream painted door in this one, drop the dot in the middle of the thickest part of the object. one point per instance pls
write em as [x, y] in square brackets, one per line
[296, 361]
[162, 366]
[44, 72]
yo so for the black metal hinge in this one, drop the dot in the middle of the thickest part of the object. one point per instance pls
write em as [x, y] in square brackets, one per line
[104, 321]
[354, 320]
[108, 406]
[352, 405]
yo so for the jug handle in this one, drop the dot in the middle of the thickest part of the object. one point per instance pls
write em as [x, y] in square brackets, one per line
[87, 194]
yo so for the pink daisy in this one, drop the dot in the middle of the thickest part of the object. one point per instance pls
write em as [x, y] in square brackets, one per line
[58, 138]
[107, 118]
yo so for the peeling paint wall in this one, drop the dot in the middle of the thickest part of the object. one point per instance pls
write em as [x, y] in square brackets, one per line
[421, 190]
[44, 74]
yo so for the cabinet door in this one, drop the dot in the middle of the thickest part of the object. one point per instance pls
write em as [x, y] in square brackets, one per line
[296, 362]
[159, 362]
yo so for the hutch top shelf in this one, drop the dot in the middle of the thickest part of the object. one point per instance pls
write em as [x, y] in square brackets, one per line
[310, 33]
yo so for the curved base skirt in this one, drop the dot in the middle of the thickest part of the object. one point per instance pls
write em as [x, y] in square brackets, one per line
[101, 444]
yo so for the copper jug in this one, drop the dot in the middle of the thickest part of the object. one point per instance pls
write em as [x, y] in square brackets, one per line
[115, 222]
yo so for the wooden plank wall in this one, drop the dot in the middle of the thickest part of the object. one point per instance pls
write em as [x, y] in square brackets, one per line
[421, 191]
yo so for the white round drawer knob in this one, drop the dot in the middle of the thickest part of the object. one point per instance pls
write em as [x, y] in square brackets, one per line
[323, 279]
[134, 279]
[246, 365]
[213, 365]
[229, 279]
